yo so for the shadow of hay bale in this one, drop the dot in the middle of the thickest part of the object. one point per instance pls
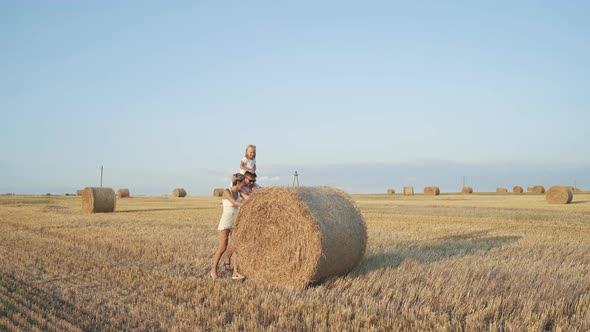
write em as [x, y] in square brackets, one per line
[442, 248]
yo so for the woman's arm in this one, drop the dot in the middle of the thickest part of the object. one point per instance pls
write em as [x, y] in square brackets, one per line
[227, 195]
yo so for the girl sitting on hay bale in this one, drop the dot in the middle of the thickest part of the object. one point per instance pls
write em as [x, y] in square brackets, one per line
[231, 201]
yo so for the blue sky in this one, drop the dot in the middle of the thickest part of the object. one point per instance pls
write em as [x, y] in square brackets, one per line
[168, 95]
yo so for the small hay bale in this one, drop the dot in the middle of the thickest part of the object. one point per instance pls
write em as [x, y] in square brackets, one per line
[98, 200]
[501, 190]
[179, 192]
[218, 192]
[391, 191]
[539, 189]
[79, 192]
[467, 190]
[123, 193]
[408, 191]
[295, 236]
[559, 195]
[517, 189]
[433, 191]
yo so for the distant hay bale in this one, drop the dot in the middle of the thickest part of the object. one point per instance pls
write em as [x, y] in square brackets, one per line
[408, 191]
[123, 193]
[538, 189]
[559, 195]
[391, 191]
[98, 200]
[517, 189]
[218, 192]
[434, 191]
[529, 189]
[501, 190]
[79, 192]
[179, 192]
[467, 190]
[294, 236]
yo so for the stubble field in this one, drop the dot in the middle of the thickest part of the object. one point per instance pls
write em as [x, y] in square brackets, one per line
[450, 262]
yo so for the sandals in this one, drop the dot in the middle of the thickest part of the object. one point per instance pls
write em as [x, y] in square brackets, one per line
[212, 275]
[227, 267]
[238, 277]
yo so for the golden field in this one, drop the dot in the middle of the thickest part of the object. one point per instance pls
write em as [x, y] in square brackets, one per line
[450, 262]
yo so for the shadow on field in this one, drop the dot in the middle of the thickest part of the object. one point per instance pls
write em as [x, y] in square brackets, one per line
[440, 249]
[151, 210]
[41, 307]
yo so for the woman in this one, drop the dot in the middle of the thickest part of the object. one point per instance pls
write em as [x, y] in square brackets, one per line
[231, 201]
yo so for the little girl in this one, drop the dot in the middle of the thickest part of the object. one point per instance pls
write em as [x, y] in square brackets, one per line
[248, 163]
[231, 203]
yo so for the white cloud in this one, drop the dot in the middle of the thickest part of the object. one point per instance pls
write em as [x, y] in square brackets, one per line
[268, 178]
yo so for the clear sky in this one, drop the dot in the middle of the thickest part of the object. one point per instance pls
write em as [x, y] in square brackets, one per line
[168, 94]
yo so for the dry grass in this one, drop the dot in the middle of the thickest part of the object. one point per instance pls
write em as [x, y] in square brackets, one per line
[449, 262]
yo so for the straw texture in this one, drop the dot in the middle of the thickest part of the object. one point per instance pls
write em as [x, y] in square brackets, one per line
[517, 189]
[467, 190]
[559, 195]
[123, 193]
[98, 200]
[501, 190]
[294, 236]
[391, 191]
[538, 189]
[434, 191]
[408, 191]
[218, 192]
[179, 192]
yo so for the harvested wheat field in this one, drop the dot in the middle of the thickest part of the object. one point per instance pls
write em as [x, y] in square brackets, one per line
[448, 262]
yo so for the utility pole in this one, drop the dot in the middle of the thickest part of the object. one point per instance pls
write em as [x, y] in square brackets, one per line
[101, 176]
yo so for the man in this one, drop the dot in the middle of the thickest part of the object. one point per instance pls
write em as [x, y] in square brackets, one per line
[249, 183]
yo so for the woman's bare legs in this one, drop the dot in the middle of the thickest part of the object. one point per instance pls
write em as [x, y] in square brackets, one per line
[222, 237]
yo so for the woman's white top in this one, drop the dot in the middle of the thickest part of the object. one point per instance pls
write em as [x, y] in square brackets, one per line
[230, 212]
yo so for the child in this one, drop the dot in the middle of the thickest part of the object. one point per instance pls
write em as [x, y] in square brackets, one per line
[248, 163]
[231, 203]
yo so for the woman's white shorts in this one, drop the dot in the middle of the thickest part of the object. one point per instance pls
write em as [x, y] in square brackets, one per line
[227, 219]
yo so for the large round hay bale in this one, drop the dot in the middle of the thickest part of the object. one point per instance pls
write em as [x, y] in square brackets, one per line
[218, 192]
[391, 191]
[98, 200]
[179, 192]
[123, 193]
[467, 190]
[538, 189]
[517, 189]
[408, 191]
[434, 191]
[559, 195]
[294, 236]
[501, 190]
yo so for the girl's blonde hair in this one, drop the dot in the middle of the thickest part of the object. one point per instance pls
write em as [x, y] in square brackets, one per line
[238, 177]
[250, 146]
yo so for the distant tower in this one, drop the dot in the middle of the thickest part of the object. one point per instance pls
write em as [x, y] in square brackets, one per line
[295, 179]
